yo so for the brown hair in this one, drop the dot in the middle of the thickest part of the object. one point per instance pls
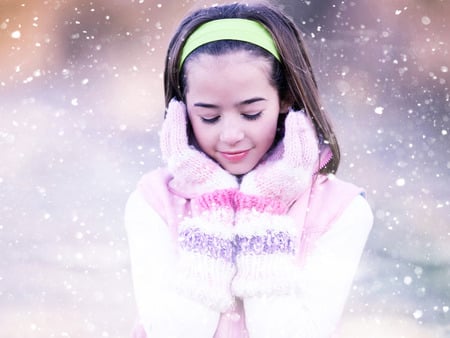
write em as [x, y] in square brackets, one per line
[293, 77]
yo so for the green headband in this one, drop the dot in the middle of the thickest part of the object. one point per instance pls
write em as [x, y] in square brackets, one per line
[230, 29]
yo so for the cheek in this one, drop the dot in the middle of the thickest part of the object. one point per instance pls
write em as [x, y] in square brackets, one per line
[202, 135]
[271, 135]
[271, 127]
[194, 127]
[266, 133]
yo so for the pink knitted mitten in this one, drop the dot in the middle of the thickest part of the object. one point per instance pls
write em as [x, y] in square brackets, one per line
[288, 171]
[206, 255]
[193, 172]
[266, 237]
[206, 241]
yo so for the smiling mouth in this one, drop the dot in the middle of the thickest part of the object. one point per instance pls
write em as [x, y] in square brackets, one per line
[235, 156]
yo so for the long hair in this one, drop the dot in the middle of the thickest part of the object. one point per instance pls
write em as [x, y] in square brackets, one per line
[293, 77]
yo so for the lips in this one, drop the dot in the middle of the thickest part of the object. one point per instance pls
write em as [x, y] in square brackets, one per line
[235, 156]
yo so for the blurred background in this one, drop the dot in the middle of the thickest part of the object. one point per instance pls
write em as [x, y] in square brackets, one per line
[81, 103]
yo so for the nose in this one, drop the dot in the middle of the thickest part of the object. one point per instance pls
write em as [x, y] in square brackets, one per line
[232, 131]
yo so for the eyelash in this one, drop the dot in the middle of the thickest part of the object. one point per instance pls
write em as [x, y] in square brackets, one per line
[210, 120]
[249, 117]
[252, 117]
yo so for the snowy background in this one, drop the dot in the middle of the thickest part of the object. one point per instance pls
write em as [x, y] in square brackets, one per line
[81, 103]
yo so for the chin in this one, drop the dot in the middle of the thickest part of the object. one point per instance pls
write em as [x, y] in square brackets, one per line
[239, 171]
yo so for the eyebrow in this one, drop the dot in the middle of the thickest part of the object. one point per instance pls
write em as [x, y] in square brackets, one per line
[242, 103]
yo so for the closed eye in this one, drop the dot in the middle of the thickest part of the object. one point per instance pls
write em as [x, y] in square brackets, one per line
[210, 120]
[252, 117]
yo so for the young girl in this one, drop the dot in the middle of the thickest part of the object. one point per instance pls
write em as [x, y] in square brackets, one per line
[246, 232]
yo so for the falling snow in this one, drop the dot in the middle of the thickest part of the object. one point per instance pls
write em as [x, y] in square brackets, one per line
[16, 35]
[81, 103]
[379, 110]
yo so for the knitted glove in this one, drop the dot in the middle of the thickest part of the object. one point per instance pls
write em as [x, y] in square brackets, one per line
[206, 250]
[193, 172]
[288, 171]
[266, 237]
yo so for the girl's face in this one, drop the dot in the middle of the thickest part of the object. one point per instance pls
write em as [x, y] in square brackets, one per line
[233, 108]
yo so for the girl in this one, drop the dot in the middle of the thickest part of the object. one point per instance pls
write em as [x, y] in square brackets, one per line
[246, 232]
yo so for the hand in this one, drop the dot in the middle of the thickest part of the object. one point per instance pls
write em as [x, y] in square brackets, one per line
[288, 171]
[194, 172]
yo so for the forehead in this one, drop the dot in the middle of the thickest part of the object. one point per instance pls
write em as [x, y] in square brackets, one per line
[231, 77]
[233, 61]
